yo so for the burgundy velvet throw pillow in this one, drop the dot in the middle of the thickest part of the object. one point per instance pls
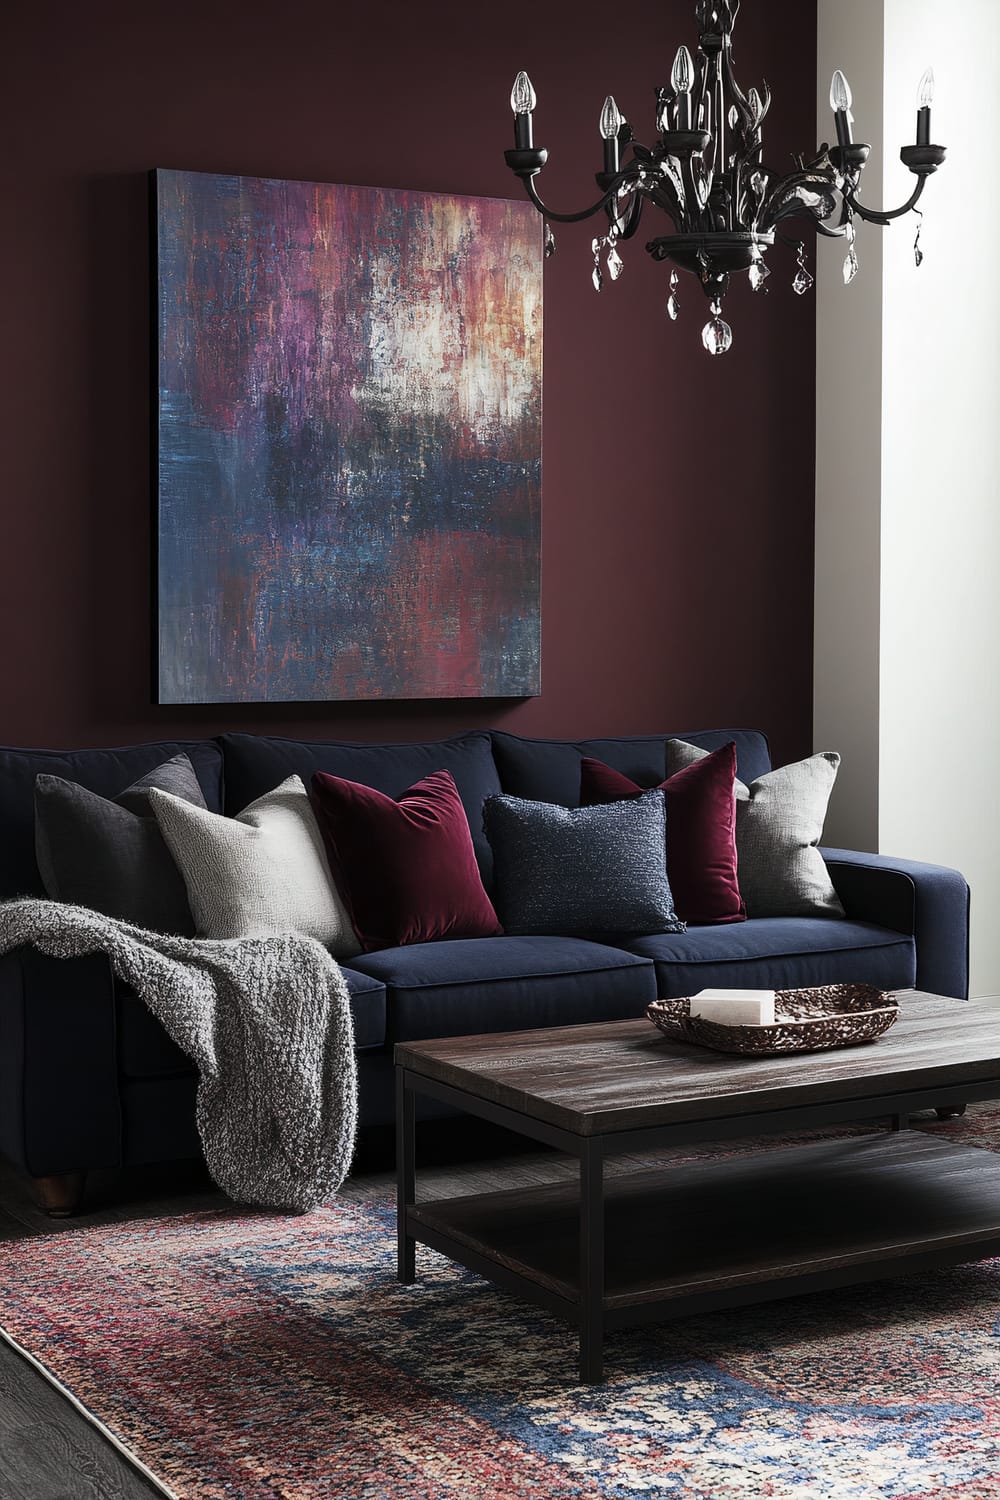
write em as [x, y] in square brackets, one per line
[701, 832]
[405, 866]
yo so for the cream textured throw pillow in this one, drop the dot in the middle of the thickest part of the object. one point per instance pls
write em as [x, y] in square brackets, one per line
[779, 823]
[264, 871]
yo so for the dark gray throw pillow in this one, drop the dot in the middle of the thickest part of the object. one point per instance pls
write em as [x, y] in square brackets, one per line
[110, 856]
[581, 870]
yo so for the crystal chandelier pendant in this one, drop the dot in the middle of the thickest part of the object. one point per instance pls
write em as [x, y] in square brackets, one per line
[851, 264]
[550, 242]
[803, 280]
[597, 276]
[615, 263]
[759, 272]
[918, 254]
[673, 302]
[717, 336]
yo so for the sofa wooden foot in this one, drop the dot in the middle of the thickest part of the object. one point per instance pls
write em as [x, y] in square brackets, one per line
[950, 1111]
[61, 1196]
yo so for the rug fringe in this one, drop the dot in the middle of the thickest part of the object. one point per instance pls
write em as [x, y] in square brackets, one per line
[106, 1432]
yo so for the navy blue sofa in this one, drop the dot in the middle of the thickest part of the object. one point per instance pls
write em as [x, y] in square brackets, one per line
[88, 1079]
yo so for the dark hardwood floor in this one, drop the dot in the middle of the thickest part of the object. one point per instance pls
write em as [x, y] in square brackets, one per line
[48, 1451]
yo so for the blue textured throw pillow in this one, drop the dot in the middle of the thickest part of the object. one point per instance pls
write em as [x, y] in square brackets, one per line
[581, 870]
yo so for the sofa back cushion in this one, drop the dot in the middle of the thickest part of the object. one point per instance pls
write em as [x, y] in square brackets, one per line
[257, 763]
[108, 853]
[549, 770]
[106, 772]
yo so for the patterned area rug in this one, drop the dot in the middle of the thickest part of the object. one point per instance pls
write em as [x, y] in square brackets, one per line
[277, 1359]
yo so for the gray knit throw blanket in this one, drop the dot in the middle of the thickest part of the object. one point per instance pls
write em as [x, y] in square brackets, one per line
[267, 1022]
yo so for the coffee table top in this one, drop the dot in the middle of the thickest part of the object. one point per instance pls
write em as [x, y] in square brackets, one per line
[626, 1075]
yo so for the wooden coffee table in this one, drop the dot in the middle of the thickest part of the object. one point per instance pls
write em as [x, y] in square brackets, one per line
[634, 1248]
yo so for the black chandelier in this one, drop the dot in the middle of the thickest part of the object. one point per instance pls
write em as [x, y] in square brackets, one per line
[707, 173]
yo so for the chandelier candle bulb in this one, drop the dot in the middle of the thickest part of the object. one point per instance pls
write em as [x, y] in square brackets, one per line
[925, 98]
[734, 1007]
[611, 123]
[682, 78]
[841, 100]
[522, 102]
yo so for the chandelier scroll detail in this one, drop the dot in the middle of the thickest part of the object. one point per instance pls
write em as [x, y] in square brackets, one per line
[707, 173]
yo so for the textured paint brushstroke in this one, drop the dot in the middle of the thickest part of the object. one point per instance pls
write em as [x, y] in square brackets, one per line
[349, 442]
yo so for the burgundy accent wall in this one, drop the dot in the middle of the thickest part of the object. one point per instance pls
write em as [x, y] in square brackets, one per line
[677, 489]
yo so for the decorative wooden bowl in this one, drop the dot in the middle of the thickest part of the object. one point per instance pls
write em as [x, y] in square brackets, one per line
[836, 1015]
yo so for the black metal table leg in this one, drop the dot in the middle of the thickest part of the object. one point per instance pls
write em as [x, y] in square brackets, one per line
[592, 1262]
[406, 1188]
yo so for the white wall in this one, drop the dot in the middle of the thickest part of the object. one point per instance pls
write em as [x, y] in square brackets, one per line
[849, 450]
[920, 489]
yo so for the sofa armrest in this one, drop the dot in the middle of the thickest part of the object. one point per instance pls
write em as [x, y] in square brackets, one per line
[59, 1101]
[928, 901]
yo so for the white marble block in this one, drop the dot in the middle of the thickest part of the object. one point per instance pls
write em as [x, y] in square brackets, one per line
[735, 1007]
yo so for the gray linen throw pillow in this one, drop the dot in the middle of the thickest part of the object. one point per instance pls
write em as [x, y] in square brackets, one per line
[779, 823]
[588, 869]
[110, 855]
[264, 871]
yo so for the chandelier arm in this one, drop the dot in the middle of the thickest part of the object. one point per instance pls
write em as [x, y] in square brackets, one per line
[748, 161]
[627, 223]
[665, 198]
[839, 231]
[718, 120]
[885, 216]
[617, 181]
[697, 212]
[746, 113]
[701, 93]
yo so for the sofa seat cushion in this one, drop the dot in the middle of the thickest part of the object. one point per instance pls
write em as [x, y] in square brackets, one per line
[472, 985]
[146, 1051]
[779, 953]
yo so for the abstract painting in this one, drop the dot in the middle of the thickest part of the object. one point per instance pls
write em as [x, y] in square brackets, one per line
[349, 442]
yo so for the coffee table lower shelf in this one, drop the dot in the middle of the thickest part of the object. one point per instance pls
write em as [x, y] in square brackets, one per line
[704, 1235]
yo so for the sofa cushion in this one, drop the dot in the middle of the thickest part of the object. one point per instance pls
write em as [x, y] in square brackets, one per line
[105, 772]
[405, 865]
[779, 953]
[581, 869]
[549, 770]
[506, 984]
[701, 831]
[108, 854]
[146, 1051]
[256, 763]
